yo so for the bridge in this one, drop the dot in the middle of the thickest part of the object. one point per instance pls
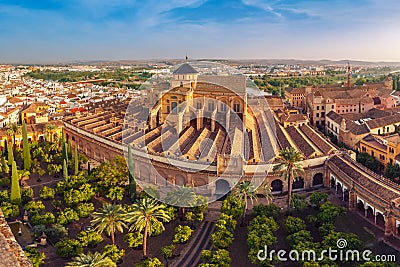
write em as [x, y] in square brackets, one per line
[377, 198]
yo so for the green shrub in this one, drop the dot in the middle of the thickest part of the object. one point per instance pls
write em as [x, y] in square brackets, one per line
[89, 238]
[218, 258]
[4, 196]
[69, 248]
[67, 216]
[317, 198]
[26, 195]
[182, 234]
[37, 258]
[329, 212]
[232, 206]
[47, 192]
[84, 210]
[34, 207]
[267, 210]
[45, 219]
[151, 262]
[9, 210]
[134, 240]
[326, 229]
[113, 252]
[294, 224]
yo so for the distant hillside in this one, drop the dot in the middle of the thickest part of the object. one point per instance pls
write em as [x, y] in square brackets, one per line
[245, 61]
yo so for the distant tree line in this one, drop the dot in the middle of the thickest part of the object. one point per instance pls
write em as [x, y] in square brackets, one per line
[76, 76]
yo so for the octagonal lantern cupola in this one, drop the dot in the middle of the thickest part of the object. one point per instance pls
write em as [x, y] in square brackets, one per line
[184, 76]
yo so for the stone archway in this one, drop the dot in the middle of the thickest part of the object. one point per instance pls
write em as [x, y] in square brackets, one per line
[180, 180]
[360, 206]
[298, 184]
[380, 220]
[318, 179]
[333, 182]
[370, 213]
[277, 185]
[199, 181]
[222, 187]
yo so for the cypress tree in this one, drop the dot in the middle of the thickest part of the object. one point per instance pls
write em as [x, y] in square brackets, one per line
[132, 182]
[5, 150]
[15, 196]
[65, 170]
[10, 154]
[69, 149]
[26, 148]
[88, 168]
[62, 136]
[65, 152]
[76, 160]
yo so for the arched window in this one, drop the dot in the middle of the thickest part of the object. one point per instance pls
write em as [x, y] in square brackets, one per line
[236, 107]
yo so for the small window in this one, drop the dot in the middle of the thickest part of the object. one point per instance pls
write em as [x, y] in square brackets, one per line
[210, 106]
[236, 107]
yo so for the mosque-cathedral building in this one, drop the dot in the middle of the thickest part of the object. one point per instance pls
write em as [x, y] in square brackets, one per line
[208, 131]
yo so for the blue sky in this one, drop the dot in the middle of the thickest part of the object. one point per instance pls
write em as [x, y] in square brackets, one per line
[59, 31]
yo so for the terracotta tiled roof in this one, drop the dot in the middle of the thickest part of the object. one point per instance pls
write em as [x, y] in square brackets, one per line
[14, 100]
[334, 116]
[294, 117]
[274, 101]
[281, 138]
[301, 90]
[316, 139]
[357, 129]
[374, 142]
[389, 120]
[373, 184]
[235, 83]
[317, 93]
[372, 113]
[300, 142]
[32, 107]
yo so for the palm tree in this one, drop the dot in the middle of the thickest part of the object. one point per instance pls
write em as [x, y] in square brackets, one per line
[91, 260]
[12, 130]
[146, 215]
[290, 168]
[50, 129]
[244, 191]
[110, 218]
[183, 197]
